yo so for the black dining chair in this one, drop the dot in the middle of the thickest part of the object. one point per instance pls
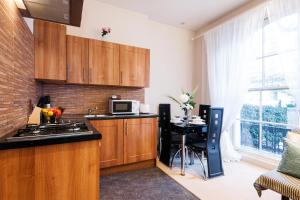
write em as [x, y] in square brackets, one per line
[211, 147]
[194, 138]
[165, 129]
[204, 113]
[169, 140]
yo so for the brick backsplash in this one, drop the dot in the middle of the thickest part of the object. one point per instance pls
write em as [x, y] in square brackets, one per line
[77, 99]
[17, 85]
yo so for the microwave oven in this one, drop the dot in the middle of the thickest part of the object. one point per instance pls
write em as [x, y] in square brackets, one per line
[122, 107]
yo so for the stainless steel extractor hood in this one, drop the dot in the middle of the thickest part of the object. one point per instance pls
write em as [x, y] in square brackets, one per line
[59, 11]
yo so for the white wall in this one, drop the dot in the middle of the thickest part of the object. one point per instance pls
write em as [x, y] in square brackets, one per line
[172, 50]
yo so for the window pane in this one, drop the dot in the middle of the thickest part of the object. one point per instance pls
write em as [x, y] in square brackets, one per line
[274, 72]
[281, 35]
[250, 134]
[250, 109]
[256, 74]
[272, 138]
[279, 106]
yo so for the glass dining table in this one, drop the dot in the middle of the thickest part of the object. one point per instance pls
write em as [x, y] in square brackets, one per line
[184, 129]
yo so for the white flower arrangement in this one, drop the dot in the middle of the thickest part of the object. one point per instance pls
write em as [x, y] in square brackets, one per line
[186, 100]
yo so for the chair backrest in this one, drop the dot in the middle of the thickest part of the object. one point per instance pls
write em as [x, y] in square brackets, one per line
[213, 142]
[165, 133]
[164, 116]
[204, 113]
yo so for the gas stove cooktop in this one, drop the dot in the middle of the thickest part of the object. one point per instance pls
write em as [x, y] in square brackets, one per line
[51, 130]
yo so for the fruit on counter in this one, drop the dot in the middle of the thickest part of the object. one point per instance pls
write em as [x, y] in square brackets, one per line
[52, 112]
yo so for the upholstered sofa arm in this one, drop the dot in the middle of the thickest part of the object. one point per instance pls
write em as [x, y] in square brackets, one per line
[281, 183]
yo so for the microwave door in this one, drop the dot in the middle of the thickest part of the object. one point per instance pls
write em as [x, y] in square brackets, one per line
[122, 107]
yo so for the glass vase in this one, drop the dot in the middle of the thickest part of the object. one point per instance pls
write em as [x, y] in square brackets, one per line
[187, 115]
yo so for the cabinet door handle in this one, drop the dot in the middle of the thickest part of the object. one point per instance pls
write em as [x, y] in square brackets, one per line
[68, 71]
[90, 77]
[121, 78]
[83, 74]
[126, 128]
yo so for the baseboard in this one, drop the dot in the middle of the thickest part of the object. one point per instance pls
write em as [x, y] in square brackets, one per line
[128, 167]
[260, 160]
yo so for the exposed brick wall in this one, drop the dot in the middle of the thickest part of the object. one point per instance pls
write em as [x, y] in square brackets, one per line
[77, 99]
[17, 84]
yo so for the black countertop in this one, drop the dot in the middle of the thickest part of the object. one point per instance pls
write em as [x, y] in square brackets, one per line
[60, 139]
[106, 117]
[51, 139]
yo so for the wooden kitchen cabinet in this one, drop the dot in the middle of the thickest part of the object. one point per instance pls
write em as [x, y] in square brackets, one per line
[50, 51]
[17, 174]
[126, 141]
[111, 142]
[77, 60]
[68, 171]
[103, 63]
[140, 139]
[134, 66]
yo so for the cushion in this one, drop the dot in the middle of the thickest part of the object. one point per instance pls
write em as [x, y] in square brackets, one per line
[294, 136]
[290, 162]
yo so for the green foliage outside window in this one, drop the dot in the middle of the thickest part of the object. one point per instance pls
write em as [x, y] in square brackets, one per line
[272, 134]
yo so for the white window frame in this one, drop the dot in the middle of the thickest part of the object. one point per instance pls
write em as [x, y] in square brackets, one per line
[263, 88]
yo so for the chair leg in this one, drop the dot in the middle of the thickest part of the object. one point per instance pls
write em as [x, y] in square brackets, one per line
[201, 163]
[284, 198]
[177, 152]
[192, 155]
[187, 154]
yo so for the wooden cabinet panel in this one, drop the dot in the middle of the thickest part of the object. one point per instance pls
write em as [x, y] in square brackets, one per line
[17, 174]
[103, 63]
[54, 172]
[77, 176]
[50, 51]
[134, 66]
[111, 142]
[77, 60]
[140, 139]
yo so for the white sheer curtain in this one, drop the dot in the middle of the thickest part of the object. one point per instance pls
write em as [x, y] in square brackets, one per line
[230, 54]
[285, 15]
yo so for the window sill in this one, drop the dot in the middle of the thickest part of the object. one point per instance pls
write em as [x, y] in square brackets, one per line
[260, 159]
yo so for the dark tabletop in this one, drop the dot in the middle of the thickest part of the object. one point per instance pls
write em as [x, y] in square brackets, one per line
[186, 128]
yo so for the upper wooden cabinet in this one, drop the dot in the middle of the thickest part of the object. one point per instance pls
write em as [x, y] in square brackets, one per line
[50, 51]
[103, 63]
[77, 60]
[134, 66]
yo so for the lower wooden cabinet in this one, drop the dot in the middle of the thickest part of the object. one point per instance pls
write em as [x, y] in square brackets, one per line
[54, 172]
[111, 142]
[126, 141]
[140, 139]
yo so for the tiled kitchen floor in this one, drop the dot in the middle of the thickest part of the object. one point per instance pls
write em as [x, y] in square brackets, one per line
[237, 184]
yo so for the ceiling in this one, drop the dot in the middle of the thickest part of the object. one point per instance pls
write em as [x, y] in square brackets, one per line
[189, 14]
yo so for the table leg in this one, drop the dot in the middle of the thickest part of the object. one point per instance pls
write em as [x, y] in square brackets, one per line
[183, 155]
[192, 157]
